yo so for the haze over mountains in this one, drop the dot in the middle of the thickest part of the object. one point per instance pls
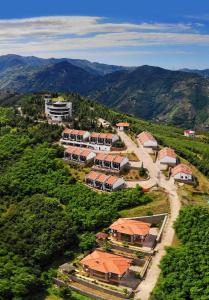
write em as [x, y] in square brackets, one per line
[174, 97]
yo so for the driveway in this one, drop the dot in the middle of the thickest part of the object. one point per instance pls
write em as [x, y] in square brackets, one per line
[145, 288]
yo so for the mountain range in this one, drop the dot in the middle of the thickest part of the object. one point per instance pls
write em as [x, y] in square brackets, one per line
[174, 97]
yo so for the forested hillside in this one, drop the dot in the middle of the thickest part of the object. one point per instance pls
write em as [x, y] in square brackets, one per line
[185, 268]
[171, 97]
[44, 212]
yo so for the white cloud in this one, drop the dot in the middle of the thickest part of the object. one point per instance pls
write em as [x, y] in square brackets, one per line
[71, 33]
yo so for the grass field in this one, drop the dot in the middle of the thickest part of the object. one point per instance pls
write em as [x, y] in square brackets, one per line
[160, 204]
[75, 296]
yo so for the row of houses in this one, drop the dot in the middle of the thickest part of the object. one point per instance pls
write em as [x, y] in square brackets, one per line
[167, 156]
[104, 182]
[101, 160]
[92, 140]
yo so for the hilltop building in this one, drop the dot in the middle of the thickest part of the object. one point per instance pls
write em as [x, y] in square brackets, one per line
[122, 126]
[57, 109]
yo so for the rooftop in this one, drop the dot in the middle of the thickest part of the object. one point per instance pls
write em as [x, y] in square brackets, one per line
[78, 151]
[131, 227]
[110, 158]
[181, 168]
[123, 124]
[109, 179]
[146, 136]
[106, 262]
[74, 131]
[166, 152]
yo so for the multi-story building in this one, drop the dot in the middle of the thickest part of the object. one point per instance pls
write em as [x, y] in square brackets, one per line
[57, 109]
[79, 155]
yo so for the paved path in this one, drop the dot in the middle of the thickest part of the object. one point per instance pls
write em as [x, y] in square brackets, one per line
[156, 178]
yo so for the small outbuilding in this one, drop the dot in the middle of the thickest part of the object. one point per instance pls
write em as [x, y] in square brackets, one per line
[147, 140]
[122, 126]
[167, 156]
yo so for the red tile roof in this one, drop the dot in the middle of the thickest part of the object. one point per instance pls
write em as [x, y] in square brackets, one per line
[123, 124]
[102, 135]
[189, 131]
[118, 159]
[181, 168]
[101, 156]
[109, 179]
[166, 152]
[131, 227]
[146, 136]
[78, 151]
[92, 175]
[75, 132]
[106, 262]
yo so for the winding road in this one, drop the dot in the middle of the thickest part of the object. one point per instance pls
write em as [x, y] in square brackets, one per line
[156, 178]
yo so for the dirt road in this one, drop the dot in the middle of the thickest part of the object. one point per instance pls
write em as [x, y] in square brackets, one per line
[156, 177]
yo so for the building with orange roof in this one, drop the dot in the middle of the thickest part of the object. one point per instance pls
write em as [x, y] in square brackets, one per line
[103, 138]
[75, 135]
[182, 172]
[112, 162]
[122, 126]
[167, 156]
[147, 140]
[95, 141]
[106, 266]
[132, 231]
[79, 155]
[104, 182]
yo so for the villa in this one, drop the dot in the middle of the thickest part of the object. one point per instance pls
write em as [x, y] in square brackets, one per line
[111, 162]
[79, 155]
[131, 231]
[167, 156]
[106, 266]
[104, 182]
[182, 173]
[147, 140]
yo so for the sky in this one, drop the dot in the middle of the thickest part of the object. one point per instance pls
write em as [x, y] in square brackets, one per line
[169, 33]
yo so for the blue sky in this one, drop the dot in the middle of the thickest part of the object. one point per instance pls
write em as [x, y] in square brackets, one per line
[171, 34]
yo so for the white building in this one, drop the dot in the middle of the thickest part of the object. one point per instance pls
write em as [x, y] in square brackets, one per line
[79, 155]
[167, 156]
[104, 182]
[57, 109]
[111, 162]
[182, 172]
[189, 133]
[147, 140]
[95, 141]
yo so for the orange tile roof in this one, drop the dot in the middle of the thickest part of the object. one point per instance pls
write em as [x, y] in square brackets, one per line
[111, 180]
[74, 131]
[166, 152]
[109, 136]
[145, 136]
[102, 178]
[106, 262]
[118, 159]
[181, 168]
[109, 158]
[123, 124]
[102, 135]
[92, 175]
[94, 135]
[101, 156]
[131, 227]
[78, 151]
